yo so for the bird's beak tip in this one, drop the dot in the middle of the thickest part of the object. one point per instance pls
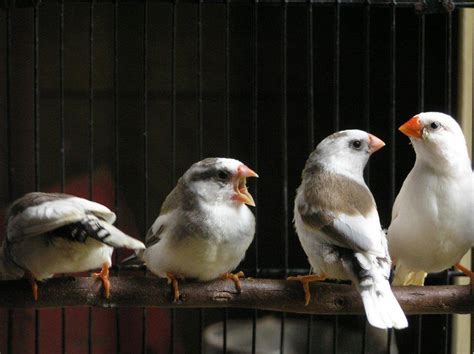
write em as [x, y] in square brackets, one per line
[375, 143]
[412, 128]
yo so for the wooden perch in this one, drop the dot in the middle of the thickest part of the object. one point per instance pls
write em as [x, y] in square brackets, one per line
[265, 294]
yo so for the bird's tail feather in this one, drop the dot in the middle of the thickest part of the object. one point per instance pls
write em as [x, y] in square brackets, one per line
[405, 276]
[371, 276]
[381, 306]
[100, 230]
[118, 239]
[136, 258]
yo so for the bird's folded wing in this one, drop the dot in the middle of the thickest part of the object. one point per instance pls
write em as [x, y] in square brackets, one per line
[168, 209]
[348, 231]
[51, 215]
[156, 230]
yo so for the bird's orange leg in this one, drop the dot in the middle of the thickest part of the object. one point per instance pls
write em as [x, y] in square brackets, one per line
[173, 280]
[305, 280]
[104, 277]
[235, 278]
[34, 286]
[466, 271]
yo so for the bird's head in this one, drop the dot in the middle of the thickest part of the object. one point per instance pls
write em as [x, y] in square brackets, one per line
[346, 151]
[437, 139]
[217, 180]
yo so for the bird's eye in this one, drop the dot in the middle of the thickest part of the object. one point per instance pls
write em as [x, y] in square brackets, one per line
[356, 144]
[223, 175]
[434, 125]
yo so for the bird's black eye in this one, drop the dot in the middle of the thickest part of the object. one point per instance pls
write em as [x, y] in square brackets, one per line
[434, 125]
[356, 144]
[223, 175]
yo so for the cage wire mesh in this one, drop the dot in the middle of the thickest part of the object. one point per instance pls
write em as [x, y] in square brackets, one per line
[113, 101]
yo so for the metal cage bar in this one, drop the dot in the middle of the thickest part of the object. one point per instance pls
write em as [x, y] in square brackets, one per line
[36, 137]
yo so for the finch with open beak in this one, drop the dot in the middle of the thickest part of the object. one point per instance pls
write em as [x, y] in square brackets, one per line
[338, 224]
[50, 233]
[204, 227]
[432, 223]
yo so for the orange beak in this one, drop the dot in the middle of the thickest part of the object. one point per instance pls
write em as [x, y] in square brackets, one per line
[413, 128]
[375, 143]
[242, 195]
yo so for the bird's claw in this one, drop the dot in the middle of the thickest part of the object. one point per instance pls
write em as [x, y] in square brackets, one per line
[104, 277]
[235, 277]
[173, 280]
[34, 285]
[305, 280]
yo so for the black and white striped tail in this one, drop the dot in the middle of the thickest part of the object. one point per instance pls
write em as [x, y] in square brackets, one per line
[371, 277]
[98, 229]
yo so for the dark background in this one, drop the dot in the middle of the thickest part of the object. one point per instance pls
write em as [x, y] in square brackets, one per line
[110, 109]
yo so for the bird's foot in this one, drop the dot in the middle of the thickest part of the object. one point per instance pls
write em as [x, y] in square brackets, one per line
[104, 277]
[173, 280]
[305, 280]
[466, 271]
[235, 277]
[34, 285]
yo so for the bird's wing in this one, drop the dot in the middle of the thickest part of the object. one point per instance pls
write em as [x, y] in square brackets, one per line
[168, 209]
[59, 210]
[348, 231]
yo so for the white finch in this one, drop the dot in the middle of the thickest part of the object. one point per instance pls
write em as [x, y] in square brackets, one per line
[338, 225]
[58, 233]
[432, 224]
[204, 227]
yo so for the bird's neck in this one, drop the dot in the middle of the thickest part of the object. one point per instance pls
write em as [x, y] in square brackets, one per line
[453, 166]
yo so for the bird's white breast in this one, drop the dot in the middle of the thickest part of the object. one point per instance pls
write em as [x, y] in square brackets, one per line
[432, 226]
[208, 257]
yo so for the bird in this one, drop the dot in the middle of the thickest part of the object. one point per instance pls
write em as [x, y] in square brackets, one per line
[432, 225]
[51, 233]
[337, 222]
[204, 227]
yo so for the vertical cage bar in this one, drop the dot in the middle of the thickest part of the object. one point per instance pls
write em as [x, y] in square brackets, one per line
[202, 314]
[173, 88]
[227, 131]
[9, 153]
[449, 61]
[336, 118]
[421, 107]
[91, 98]
[255, 157]
[448, 104]
[62, 154]
[309, 29]
[227, 76]
[36, 118]
[61, 97]
[91, 139]
[201, 329]
[336, 64]
[421, 63]
[199, 79]
[116, 162]
[145, 151]
[367, 91]
[284, 147]
[393, 98]
[174, 10]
